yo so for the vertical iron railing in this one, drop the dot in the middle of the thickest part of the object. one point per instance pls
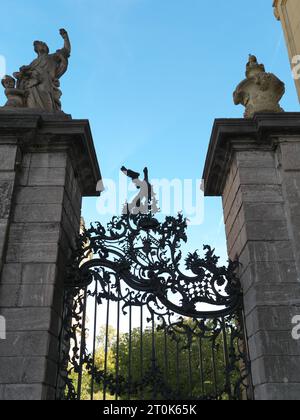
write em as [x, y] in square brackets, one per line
[115, 362]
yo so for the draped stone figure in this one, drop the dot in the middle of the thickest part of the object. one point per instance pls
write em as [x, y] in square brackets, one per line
[39, 81]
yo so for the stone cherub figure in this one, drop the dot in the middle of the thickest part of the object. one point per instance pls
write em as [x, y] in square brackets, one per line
[145, 201]
[15, 97]
[38, 83]
[260, 91]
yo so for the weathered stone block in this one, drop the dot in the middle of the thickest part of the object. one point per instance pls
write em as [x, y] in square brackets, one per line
[39, 195]
[25, 344]
[49, 160]
[232, 208]
[66, 244]
[26, 159]
[50, 393]
[235, 246]
[71, 230]
[276, 369]
[273, 343]
[294, 226]
[266, 251]
[268, 273]
[232, 184]
[13, 370]
[6, 190]
[3, 230]
[9, 295]
[264, 211]
[255, 159]
[23, 176]
[237, 234]
[37, 213]
[262, 193]
[51, 372]
[278, 392]
[39, 274]
[31, 319]
[35, 232]
[292, 187]
[8, 154]
[11, 274]
[271, 318]
[32, 253]
[72, 213]
[72, 189]
[34, 392]
[28, 295]
[290, 152]
[275, 294]
[251, 194]
[258, 176]
[252, 212]
[8, 176]
[46, 177]
[25, 370]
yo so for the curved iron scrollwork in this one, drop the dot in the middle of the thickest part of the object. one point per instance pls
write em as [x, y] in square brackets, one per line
[146, 255]
[194, 306]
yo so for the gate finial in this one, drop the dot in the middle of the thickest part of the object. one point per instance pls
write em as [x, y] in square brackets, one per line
[145, 201]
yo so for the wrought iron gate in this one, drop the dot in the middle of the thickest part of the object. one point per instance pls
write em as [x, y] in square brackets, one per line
[139, 324]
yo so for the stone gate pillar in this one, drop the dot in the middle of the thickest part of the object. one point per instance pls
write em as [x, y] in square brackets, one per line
[255, 166]
[47, 164]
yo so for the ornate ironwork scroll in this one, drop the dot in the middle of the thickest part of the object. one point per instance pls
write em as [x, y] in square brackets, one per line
[189, 343]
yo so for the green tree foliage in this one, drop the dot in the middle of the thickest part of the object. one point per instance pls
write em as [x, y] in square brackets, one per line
[191, 367]
[161, 364]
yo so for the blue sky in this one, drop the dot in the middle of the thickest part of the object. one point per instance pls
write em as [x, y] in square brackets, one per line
[151, 76]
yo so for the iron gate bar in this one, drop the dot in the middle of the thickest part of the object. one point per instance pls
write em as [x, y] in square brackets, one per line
[106, 345]
[226, 356]
[118, 350]
[130, 350]
[94, 340]
[201, 365]
[141, 344]
[82, 345]
[136, 262]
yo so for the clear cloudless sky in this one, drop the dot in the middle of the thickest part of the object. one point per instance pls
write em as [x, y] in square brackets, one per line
[151, 76]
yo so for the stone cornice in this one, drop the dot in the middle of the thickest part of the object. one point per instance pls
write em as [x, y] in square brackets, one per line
[34, 132]
[229, 135]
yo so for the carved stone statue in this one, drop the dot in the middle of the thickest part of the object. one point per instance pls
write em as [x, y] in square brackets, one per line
[260, 91]
[38, 85]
